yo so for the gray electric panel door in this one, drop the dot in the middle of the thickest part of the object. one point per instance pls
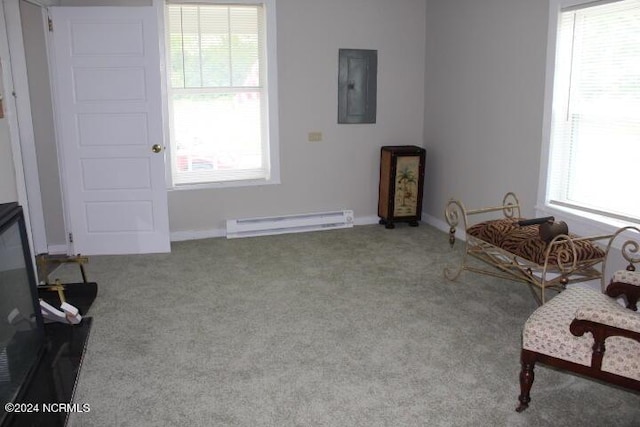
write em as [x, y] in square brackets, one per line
[357, 85]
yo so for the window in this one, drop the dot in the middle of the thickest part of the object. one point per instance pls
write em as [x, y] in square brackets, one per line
[594, 149]
[221, 93]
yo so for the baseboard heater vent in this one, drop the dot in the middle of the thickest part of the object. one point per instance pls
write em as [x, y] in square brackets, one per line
[288, 224]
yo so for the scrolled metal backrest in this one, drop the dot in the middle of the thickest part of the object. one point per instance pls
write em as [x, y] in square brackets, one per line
[453, 213]
[566, 254]
[629, 250]
[511, 205]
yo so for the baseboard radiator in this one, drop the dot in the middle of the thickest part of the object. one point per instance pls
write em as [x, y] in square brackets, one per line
[289, 224]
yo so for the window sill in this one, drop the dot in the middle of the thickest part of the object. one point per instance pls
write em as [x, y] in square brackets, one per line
[225, 184]
[581, 222]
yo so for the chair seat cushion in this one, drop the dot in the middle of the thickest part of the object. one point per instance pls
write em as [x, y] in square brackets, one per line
[525, 242]
[547, 332]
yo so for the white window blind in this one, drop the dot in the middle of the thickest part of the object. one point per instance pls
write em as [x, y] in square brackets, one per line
[217, 93]
[595, 132]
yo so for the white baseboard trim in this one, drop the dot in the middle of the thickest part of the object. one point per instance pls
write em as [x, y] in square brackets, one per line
[179, 236]
[57, 249]
[366, 220]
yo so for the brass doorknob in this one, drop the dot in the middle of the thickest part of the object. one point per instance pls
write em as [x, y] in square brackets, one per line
[156, 148]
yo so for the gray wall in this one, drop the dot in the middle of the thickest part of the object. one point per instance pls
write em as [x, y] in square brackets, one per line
[484, 101]
[476, 106]
[342, 170]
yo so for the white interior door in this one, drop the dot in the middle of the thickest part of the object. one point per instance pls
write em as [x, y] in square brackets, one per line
[107, 92]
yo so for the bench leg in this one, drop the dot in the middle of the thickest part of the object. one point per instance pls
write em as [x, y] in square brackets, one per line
[528, 361]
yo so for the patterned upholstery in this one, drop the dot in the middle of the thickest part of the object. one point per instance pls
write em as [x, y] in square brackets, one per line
[631, 277]
[526, 243]
[547, 331]
[613, 315]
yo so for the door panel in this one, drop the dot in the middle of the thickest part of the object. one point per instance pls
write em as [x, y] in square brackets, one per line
[98, 174]
[112, 129]
[109, 112]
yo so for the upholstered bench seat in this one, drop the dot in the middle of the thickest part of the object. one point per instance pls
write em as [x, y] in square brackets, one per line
[525, 242]
[547, 331]
[518, 253]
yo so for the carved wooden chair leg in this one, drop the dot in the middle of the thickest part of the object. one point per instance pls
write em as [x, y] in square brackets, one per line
[528, 361]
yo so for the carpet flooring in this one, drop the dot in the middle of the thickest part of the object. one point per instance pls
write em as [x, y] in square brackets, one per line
[352, 327]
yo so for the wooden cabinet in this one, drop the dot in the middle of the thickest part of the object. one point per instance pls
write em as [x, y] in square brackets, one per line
[401, 184]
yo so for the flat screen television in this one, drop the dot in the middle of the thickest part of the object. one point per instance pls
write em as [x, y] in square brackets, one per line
[21, 325]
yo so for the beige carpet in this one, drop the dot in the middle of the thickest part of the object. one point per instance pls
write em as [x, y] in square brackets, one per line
[352, 327]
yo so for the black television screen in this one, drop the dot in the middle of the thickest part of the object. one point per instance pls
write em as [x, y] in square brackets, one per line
[21, 327]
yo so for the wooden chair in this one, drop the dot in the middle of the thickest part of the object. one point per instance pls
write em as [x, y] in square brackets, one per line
[587, 332]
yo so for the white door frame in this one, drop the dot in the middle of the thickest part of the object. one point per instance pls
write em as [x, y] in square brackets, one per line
[21, 128]
[10, 114]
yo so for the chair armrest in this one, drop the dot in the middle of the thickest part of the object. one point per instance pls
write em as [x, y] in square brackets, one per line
[600, 333]
[617, 317]
[626, 276]
[625, 283]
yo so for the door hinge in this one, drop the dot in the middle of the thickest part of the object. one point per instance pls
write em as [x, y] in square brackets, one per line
[70, 237]
[50, 22]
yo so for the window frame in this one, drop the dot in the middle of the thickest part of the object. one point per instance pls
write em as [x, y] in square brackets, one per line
[271, 101]
[583, 221]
